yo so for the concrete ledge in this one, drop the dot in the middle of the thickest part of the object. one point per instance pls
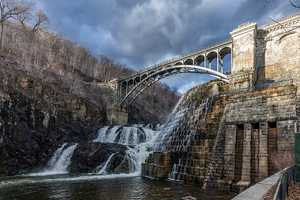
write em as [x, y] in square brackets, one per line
[258, 191]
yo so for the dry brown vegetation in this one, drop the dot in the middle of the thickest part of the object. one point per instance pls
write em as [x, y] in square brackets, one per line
[25, 40]
[294, 192]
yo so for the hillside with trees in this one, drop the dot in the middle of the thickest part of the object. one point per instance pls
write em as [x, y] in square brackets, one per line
[51, 90]
[25, 40]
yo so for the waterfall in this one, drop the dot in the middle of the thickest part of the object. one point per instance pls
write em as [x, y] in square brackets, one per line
[216, 160]
[103, 169]
[172, 175]
[139, 140]
[59, 162]
[171, 123]
[56, 155]
[178, 131]
[126, 135]
[182, 123]
[60, 166]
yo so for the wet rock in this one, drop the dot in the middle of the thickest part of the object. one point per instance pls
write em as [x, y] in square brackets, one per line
[120, 164]
[42, 109]
[25, 143]
[90, 157]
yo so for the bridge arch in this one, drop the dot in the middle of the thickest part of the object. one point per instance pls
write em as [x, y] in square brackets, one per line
[225, 59]
[212, 59]
[144, 76]
[200, 60]
[188, 61]
[130, 82]
[215, 61]
[165, 72]
[137, 79]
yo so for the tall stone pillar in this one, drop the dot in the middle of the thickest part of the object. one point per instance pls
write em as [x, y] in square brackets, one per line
[243, 73]
[263, 150]
[246, 167]
[229, 154]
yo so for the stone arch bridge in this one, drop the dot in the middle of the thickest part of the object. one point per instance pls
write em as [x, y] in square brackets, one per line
[208, 61]
[234, 61]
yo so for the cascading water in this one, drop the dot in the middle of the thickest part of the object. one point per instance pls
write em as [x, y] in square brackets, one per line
[181, 137]
[182, 122]
[172, 175]
[59, 162]
[138, 139]
[126, 135]
[56, 155]
[141, 141]
[167, 128]
[103, 169]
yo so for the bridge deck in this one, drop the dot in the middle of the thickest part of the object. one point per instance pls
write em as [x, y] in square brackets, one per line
[178, 59]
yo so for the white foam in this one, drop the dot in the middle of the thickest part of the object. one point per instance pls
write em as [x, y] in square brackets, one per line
[59, 162]
[23, 181]
[103, 170]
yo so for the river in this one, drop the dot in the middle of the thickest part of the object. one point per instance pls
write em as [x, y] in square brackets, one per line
[99, 188]
[54, 181]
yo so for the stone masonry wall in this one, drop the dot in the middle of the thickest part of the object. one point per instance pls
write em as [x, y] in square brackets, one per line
[232, 148]
[278, 52]
[251, 122]
[189, 162]
[259, 124]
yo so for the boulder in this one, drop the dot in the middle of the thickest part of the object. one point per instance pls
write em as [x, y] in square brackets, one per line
[90, 157]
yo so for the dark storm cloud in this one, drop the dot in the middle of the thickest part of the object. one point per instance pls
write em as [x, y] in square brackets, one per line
[143, 32]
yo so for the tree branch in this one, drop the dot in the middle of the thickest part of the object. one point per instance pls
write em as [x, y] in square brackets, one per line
[294, 3]
[41, 21]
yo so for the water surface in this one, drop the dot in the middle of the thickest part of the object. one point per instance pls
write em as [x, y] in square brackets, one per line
[100, 188]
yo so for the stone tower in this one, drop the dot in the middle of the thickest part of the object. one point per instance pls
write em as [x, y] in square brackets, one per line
[243, 57]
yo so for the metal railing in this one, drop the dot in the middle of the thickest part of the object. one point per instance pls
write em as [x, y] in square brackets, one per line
[287, 178]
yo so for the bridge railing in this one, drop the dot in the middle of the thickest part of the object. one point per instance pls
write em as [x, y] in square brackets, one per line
[287, 178]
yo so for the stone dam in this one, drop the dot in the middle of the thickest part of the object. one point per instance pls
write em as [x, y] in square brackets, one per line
[231, 135]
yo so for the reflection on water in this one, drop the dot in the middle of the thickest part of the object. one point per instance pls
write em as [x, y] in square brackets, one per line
[129, 188]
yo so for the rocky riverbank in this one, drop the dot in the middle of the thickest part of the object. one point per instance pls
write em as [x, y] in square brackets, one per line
[40, 110]
[37, 116]
[51, 92]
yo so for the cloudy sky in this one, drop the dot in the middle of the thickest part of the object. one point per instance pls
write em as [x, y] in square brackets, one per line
[139, 33]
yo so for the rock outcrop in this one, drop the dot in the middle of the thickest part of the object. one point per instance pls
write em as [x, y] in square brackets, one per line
[37, 117]
[90, 157]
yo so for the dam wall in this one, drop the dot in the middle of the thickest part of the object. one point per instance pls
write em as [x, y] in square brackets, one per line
[246, 130]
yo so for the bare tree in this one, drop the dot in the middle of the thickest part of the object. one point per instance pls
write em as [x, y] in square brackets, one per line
[41, 21]
[25, 17]
[33, 23]
[10, 9]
